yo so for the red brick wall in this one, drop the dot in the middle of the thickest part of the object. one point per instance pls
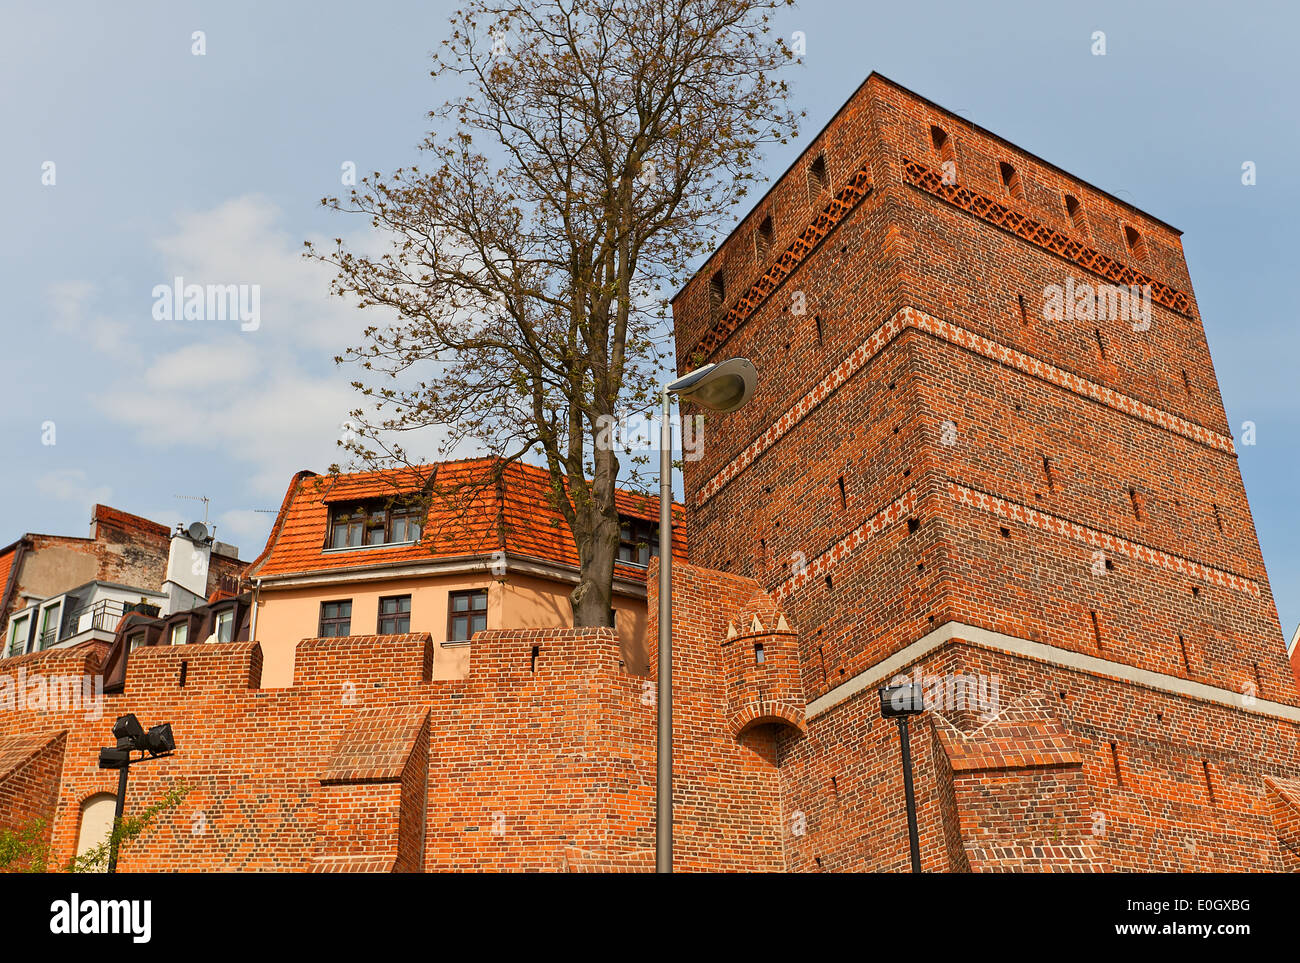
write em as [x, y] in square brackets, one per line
[888, 479]
[29, 782]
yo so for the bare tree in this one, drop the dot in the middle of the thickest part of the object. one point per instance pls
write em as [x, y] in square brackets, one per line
[593, 148]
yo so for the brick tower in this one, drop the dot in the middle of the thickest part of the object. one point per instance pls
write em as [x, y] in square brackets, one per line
[981, 456]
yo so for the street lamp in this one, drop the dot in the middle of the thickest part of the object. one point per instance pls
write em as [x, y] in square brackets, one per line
[157, 743]
[899, 702]
[721, 387]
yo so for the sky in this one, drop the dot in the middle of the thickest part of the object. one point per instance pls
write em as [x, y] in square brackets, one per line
[211, 167]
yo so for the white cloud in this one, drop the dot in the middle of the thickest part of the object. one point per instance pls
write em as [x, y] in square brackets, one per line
[69, 302]
[268, 402]
[73, 485]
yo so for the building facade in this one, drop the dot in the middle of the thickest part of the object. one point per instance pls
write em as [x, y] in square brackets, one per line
[987, 454]
[448, 550]
[60, 590]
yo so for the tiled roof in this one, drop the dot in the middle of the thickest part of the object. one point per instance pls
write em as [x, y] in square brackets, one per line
[470, 514]
[6, 564]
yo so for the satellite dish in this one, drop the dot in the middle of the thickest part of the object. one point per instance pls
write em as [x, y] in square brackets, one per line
[197, 531]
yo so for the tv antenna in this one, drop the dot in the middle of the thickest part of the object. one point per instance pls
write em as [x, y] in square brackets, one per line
[197, 498]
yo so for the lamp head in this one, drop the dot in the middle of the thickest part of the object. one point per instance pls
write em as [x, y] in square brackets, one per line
[159, 740]
[721, 387]
[902, 700]
[114, 758]
[127, 728]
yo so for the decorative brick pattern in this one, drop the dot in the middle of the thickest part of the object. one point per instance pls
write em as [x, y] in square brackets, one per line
[845, 199]
[1023, 756]
[904, 506]
[1034, 231]
[954, 334]
[1099, 540]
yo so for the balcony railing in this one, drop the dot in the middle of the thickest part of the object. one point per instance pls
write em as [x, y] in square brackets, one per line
[103, 615]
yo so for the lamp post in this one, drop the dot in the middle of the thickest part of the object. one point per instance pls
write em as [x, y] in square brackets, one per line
[721, 387]
[157, 743]
[899, 702]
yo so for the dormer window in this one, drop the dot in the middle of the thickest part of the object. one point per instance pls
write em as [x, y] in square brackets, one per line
[638, 540]
[374, 523]
[19, 631]
[223, 629]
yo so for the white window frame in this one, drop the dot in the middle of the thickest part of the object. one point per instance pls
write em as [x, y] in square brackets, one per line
[19, 617]
[227, 617]
[178, 627]
[56, 607]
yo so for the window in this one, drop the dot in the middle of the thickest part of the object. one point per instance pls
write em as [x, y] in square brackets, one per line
[395, 615]
[763, 239]
[374, 523]
[638, 539]
[1136, 246]
[97, 814]
[18, 634]
[134, 641]
[818, 179]
[1075, 210]
[180, 634]
[466, 614]
[717, 293]
[1010, 180]
[335, 619]
[49, 625]
[225, 626]
[942, 145]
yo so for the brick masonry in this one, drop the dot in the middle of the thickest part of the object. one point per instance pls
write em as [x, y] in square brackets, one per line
[931, 447]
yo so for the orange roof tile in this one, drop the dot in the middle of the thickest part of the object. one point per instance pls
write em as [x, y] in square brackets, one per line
[471, 514]
[6, 564]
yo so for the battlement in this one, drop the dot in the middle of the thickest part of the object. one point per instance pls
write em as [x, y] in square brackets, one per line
[368, 661]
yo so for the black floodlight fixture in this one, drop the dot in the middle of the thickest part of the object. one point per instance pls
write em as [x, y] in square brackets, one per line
[899, 702]
[114, 758]
[902, 700]
[131, 737]
[127, 728]
[158, 740]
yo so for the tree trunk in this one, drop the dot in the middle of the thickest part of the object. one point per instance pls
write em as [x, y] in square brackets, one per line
[592, 598]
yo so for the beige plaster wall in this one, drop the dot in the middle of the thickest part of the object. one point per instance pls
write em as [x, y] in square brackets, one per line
[287, 616]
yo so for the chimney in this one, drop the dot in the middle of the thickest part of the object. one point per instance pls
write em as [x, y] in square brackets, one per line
[186, 584]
